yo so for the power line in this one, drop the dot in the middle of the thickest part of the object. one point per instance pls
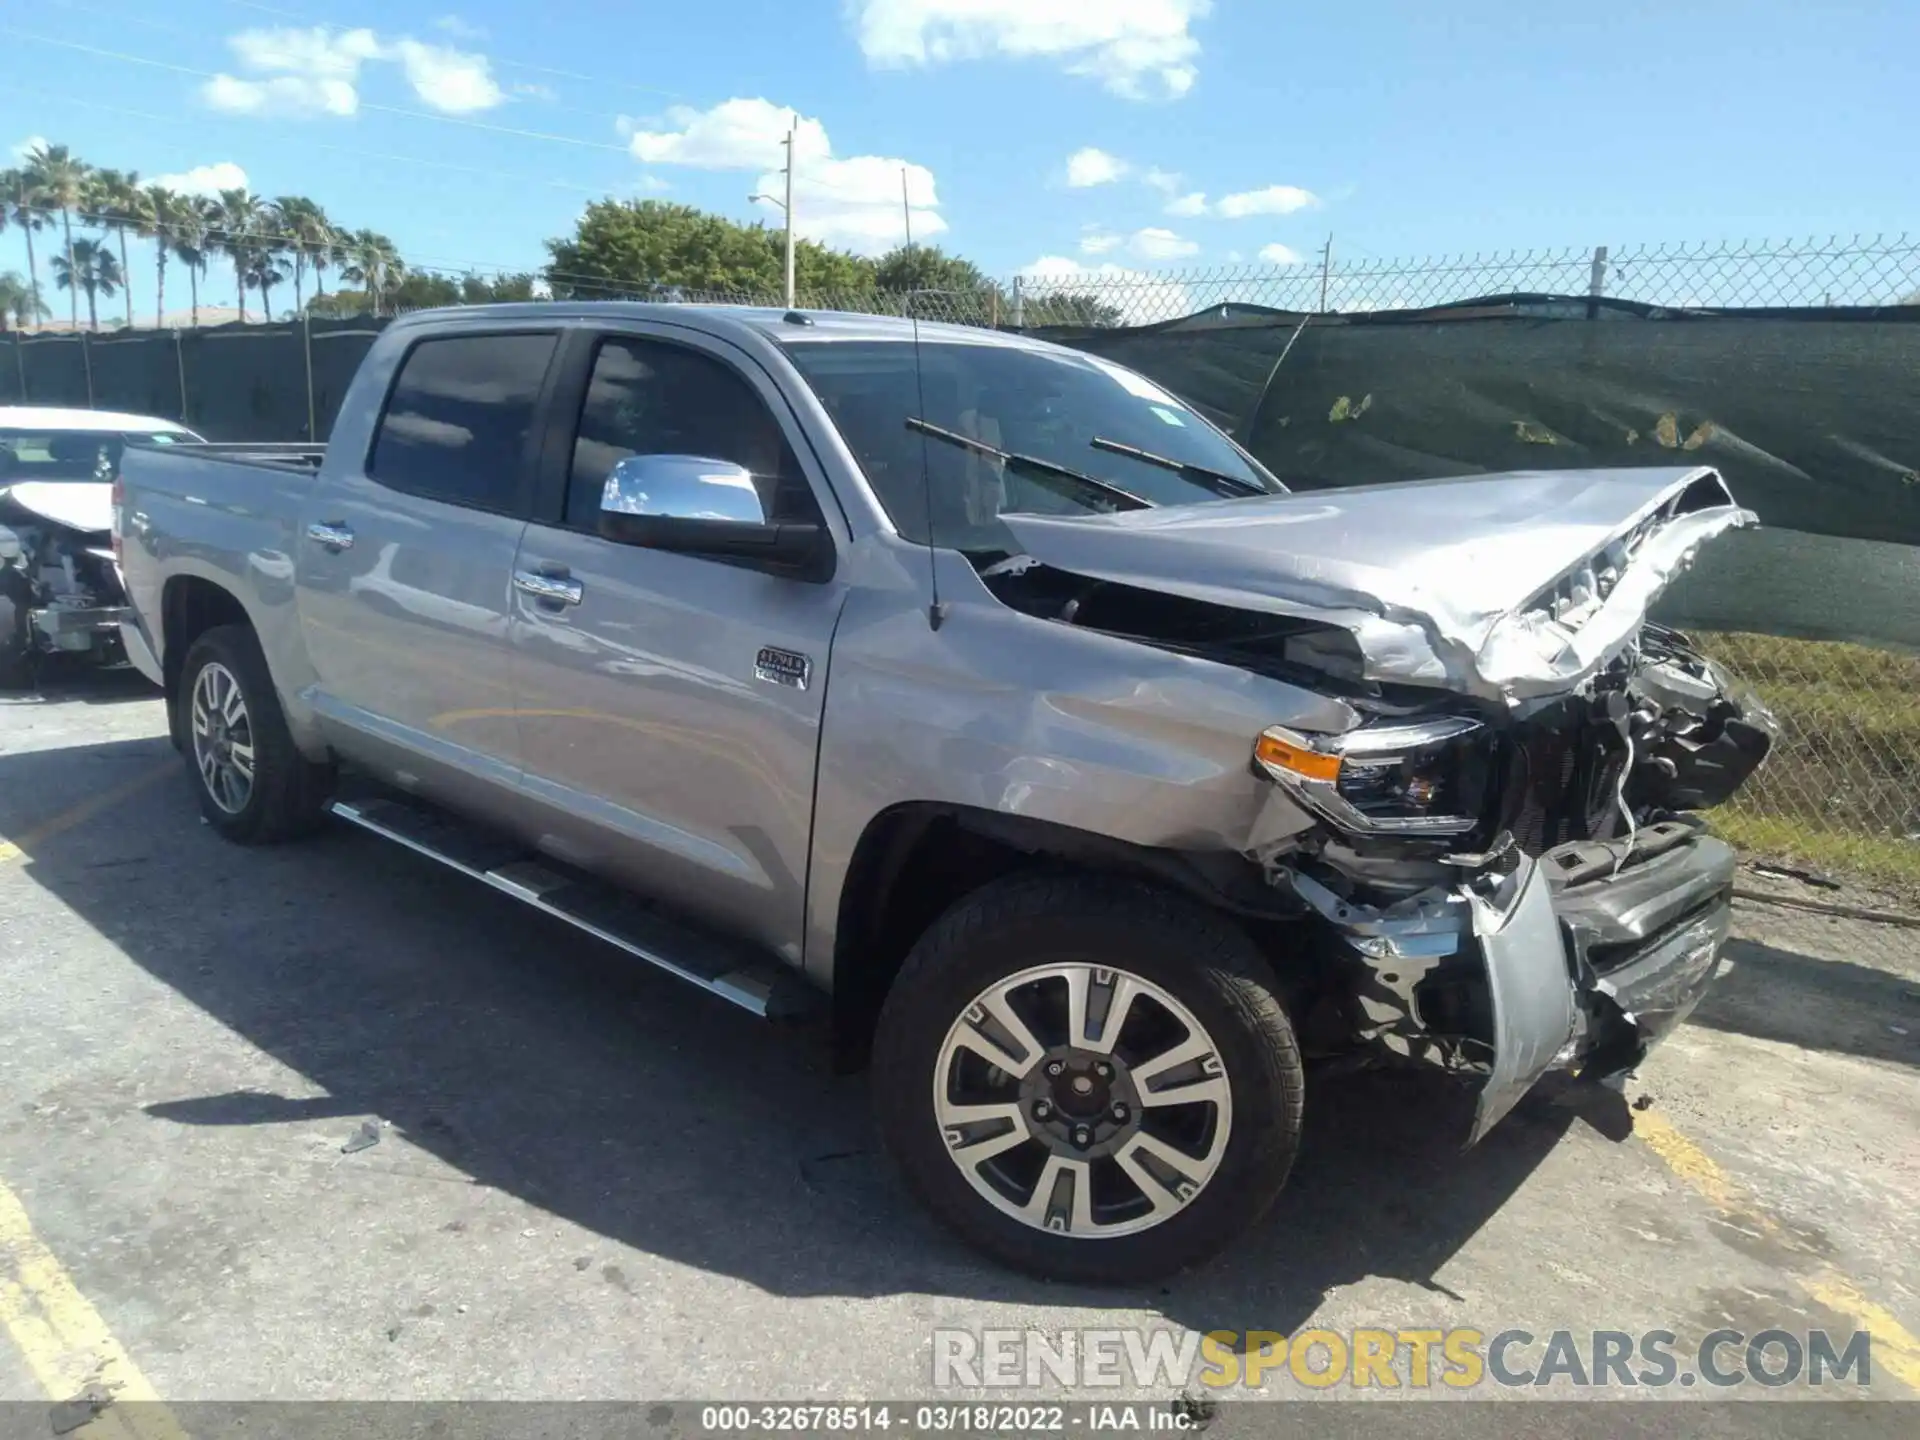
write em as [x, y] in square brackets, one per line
[362, 104]
[286, 14]
[356, 152]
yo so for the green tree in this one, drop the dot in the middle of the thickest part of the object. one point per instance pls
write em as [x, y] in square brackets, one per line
[263, 272]
[928, 267]
[236, 235]
[57, 179]
[157, 215]
[112, 201]
[20, 301]
[20, 207]
[1068, 308]
[370, 259]
[639, 247]
[193, 230]
[88, 265]
[309, 238]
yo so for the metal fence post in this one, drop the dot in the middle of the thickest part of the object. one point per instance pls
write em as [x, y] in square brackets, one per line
[20, 364]
[306, 334]
[86, 361]
[180, 368]
[1597, 281]
[1019, 305]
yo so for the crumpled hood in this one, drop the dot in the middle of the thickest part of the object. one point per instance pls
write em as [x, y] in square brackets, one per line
[83, 505]
[1504, 586]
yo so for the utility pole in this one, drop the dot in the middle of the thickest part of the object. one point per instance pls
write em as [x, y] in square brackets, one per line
[788, 207]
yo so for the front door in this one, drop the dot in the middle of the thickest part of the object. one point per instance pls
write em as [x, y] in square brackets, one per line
[405, 562]
[670, 705]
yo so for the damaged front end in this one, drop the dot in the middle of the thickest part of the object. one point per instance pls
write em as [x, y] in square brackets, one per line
[1502, 854]
[1517, 893]
[59, 579]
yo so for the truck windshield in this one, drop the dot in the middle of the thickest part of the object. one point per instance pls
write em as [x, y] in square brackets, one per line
[1032, 403]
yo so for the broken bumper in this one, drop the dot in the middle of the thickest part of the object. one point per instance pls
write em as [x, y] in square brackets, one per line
[64, 627]
[1587, 968]
[1582, 959]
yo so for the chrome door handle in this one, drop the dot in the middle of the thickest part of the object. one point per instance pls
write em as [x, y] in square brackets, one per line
[553, 589]
[335, 537]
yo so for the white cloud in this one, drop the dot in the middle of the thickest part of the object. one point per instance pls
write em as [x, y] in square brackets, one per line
[1136, 48]
[852, 201]
[1165, 181]
[1274, 200]
[1138, 296]
[1194, 203]
[1090, 166]
[1094, 241]
[526, 89]
[459, 28]
[316, 71]
[1154, 243]
[1277, 254]
[736, 134]
[454, 82]
[27, 146]
[208, 180]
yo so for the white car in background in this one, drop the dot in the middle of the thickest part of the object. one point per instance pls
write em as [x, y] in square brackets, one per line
[60, 586]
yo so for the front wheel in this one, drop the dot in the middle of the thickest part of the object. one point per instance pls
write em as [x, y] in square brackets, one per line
[1088, 1078]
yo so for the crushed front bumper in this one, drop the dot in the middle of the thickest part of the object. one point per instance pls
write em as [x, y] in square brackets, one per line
[1581, 959]
[1587, 967]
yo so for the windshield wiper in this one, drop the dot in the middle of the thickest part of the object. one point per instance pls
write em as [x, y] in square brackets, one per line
[1222, 484]
[1077, 485]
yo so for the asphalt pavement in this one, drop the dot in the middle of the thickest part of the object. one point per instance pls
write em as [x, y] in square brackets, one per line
[327, 1122]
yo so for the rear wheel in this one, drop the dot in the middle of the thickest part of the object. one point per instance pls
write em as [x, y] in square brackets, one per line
[253, 784]
[1088, 1078]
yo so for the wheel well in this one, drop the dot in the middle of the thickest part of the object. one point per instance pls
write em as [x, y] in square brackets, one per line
[189, 607]
[915, 861]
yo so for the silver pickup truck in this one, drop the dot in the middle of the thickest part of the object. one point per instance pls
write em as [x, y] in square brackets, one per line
[982, 697]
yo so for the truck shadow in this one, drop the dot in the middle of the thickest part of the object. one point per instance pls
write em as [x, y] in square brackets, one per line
[534, 1061]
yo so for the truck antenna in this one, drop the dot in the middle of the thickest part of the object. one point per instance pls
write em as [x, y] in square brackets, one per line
[936, 610]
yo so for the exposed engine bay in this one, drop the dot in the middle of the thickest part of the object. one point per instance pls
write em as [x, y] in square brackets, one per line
[60, 587]
[1502, 878]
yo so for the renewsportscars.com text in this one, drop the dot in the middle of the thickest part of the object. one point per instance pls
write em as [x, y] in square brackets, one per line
[1414, 1359]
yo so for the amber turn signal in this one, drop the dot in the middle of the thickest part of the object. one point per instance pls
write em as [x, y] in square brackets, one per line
[1278, 754]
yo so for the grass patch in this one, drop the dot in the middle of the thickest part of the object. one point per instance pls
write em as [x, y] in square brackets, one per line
[1838, 792]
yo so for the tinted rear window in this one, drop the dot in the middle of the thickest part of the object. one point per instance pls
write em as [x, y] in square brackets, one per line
[459, 418]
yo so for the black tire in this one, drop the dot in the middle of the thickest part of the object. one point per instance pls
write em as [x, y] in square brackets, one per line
[289, 793]
[1198, 957]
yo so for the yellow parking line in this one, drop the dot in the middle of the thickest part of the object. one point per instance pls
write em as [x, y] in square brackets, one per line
[84, 811]
[65, 1342]
[1895, 1348]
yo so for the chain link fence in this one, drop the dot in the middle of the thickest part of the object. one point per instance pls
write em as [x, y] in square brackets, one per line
[1839, 794]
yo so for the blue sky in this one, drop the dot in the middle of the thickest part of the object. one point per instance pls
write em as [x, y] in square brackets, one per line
[1061, 133]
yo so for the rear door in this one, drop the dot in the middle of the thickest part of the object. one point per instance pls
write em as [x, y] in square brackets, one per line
[405, 562]
[670, 707]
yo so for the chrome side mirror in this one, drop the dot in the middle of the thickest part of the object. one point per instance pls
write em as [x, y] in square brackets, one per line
[691, 505]
[682, 487]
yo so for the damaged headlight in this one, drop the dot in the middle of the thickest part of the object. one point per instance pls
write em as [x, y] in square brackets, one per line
[1426, 777]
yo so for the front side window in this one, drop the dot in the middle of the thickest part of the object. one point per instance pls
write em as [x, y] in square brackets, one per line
[1040, 404]
[648, 397]
[457, 424]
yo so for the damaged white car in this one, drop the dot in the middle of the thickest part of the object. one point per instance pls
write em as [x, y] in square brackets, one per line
[60, 588]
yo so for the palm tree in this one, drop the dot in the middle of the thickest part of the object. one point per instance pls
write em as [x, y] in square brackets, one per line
[194, 243]
[88, 265]
[20, 301]
[112, 197]
[372, 261]
[158, 213]
[19, 206]
[58, 179]
[309, 237]
[263, 273]
[235, 233]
